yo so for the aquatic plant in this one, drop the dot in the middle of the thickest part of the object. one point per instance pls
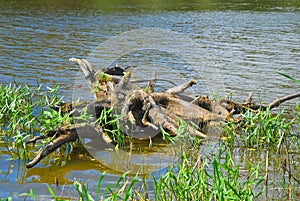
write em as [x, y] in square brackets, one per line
[25, 113]
[266, 134]
[204, 180]
[219, 176]
[261, 129]
[111, 124]
[29, 112]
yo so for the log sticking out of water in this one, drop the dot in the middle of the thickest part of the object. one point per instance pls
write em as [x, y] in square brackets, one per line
[144, 108]
[66, 134]
[61, 136]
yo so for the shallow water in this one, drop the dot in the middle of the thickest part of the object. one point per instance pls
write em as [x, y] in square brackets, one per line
[241, 47]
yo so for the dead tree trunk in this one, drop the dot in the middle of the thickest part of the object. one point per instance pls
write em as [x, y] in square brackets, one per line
[145, 108]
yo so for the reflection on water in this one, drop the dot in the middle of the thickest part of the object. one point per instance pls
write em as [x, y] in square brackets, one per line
[15, 178]
[248, 42]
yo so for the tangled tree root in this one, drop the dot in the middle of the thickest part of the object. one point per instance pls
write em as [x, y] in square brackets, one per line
[145, 108]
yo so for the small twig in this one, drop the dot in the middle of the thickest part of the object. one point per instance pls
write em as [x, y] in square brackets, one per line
[41, 137]
[267, 174]
[239, 108]
[249, 99]
[198, 163]
[151, 84]
[290, 174]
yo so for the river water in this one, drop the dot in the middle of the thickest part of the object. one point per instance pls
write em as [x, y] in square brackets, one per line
[239, 48]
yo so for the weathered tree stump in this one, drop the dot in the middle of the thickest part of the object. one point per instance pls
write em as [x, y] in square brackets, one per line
[145, 108]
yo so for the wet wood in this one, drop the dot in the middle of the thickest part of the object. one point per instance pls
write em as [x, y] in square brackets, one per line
[278, 101]
[144, 108]
[62, 136]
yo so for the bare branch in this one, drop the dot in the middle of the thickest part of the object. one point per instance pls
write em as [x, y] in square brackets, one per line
[278, 101]
[179, 89]
[86, 67]
[64, 136]
[249, 99]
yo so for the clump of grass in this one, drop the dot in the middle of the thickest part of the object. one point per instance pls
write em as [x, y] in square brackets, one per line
[271, 134]
[207, 181]
[26, 112]
[111, 125]
[261, 129]
[16, 117]
[103, 77]
[123, 189]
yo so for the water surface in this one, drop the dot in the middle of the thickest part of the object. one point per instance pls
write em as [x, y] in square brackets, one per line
[247, 43]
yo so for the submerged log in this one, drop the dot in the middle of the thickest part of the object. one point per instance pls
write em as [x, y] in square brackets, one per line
[61, 136]
[144, 110]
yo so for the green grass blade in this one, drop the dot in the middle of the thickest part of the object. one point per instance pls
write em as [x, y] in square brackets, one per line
[86, 194]
[52, 193]
[290, 77]
[99, 186]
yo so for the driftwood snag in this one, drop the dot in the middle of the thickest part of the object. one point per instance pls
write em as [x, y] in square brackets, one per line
[61, 136]
[144, 112]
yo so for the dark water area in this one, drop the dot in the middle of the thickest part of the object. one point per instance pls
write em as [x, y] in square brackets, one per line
[243, 46]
